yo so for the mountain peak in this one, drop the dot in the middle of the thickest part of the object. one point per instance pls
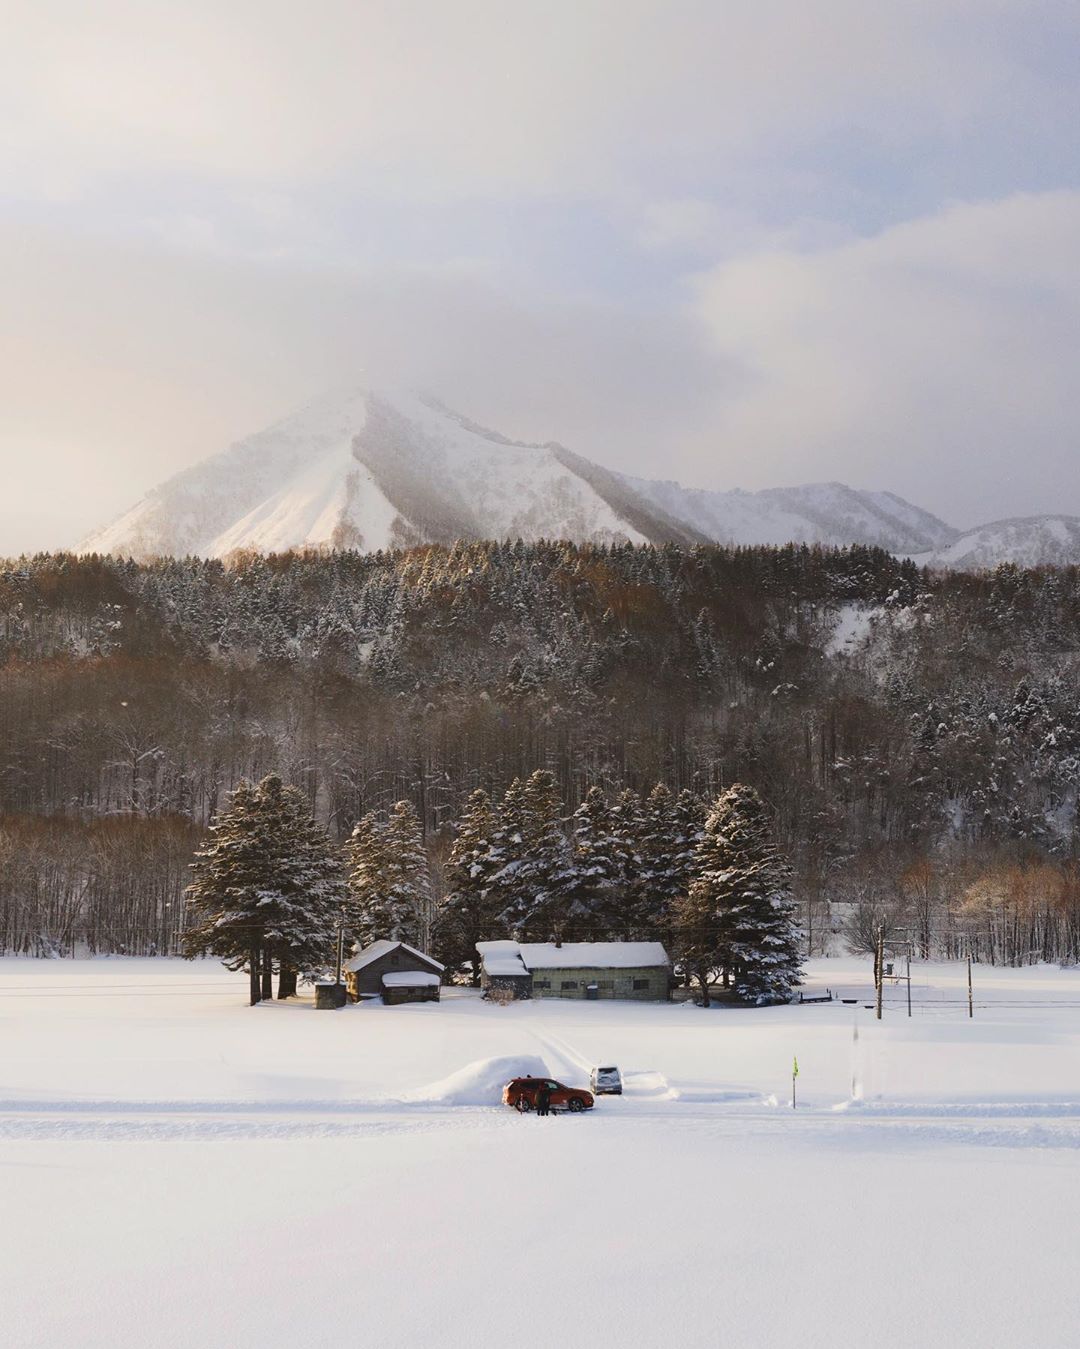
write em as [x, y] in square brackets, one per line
[381, 468]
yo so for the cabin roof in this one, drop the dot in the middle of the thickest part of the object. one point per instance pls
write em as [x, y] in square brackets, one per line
[381, 948]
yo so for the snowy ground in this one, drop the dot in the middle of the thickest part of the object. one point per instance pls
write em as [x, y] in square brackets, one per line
[182, 1170]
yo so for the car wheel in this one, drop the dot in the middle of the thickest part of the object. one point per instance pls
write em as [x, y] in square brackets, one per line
[524, 1104]
[576, 1105]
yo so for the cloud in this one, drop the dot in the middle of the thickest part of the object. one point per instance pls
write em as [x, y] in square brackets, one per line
[432, 99]
[217, 209]
[121, 362]
[937, 358]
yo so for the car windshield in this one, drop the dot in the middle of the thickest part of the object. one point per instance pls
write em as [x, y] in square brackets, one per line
[607, 1072]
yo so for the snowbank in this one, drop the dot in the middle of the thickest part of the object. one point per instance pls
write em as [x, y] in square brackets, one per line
[478, 1083]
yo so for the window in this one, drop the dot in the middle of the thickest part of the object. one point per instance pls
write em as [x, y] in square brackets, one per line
[541, 983]
[640, 985]
[569, 983]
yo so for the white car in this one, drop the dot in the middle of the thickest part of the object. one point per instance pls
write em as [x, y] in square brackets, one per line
[606, 1081]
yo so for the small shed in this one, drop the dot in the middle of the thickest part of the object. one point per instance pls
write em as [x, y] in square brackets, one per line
[365, 972]
[502, 968]
[410, 986]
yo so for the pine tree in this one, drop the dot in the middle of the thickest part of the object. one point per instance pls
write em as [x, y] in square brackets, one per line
[596, 862]
[744, 883]
[662, 878]
[471, 910]
[689, 829]
[266, 888]
[389, 878]
[364, 860]
[626, 829]
[537, 879]
[696, 928]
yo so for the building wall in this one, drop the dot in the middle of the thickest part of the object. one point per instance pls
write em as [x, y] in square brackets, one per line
[518, 984]
[369, 979]
[424, 993]
[650, 983]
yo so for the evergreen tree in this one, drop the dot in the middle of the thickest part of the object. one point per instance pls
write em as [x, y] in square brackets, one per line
[596, 862]
[537, 878]
[267, 888]
[689, 829]
[745, 885]
[662, 876]
[626, 829]
[696, 932]
[389, 878]
[472, 908]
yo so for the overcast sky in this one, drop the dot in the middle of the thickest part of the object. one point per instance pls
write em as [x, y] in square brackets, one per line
[741, 243]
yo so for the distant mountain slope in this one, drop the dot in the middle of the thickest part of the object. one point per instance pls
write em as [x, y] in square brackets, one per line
[1042, 540]
[374, 470]
[826, 513]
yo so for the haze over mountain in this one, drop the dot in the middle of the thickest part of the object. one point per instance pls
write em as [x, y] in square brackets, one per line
[373, 470]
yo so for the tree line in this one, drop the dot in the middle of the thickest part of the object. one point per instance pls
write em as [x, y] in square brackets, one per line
[271, 894]
[916, 736]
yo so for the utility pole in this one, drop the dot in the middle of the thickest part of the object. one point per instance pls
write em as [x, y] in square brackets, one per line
[340, 946]
[909, 978]
[880, 962]
[971, 1005]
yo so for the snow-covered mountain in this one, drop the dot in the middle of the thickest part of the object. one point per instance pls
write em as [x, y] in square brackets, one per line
[372, 470]
[1041, 540]
[827, 513]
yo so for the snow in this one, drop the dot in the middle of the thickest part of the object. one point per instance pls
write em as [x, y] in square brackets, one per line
[1045, 540]
[479, 1083]
[825, 513]
[607, 955]
[181, 1166]
[613, 955]
[854, 622]
[410, 979]
[504, 965]
[383, 947]
[348, 470]
[374, 469]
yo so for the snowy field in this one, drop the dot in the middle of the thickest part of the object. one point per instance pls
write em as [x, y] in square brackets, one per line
[181, 1170]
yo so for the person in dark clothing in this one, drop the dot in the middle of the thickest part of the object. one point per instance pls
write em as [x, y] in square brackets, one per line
[543, 1100]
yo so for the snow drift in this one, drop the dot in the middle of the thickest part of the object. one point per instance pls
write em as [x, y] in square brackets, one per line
[478, 1083]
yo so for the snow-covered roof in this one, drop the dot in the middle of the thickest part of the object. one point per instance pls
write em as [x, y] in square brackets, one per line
[511, 956]
[502, 958]
[409, 979]
[380, 948]
[504, 965]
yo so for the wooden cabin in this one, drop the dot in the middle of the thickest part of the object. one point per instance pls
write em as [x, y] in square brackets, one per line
[366, 973]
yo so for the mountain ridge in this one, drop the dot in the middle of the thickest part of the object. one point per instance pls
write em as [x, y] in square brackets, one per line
[374, 470]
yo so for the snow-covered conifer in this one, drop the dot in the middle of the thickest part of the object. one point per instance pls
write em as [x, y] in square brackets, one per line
[267, 888]
[389, 878]
[536, 881]
[662, 875]
[472, 908]
[745, 883]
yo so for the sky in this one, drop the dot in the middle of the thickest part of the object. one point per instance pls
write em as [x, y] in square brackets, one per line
[741, 243]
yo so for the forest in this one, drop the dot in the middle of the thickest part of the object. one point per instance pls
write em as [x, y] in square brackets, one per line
[915, 736]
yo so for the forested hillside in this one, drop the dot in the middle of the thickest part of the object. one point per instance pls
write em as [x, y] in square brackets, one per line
[916, 736]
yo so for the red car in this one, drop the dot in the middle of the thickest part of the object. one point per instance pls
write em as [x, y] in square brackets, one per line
[522, 1092]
